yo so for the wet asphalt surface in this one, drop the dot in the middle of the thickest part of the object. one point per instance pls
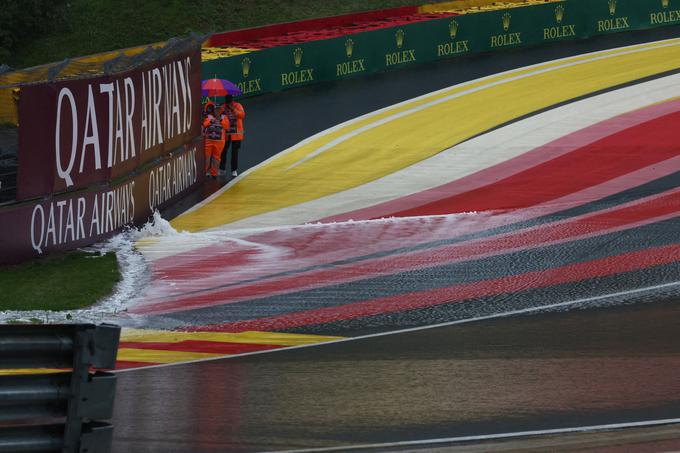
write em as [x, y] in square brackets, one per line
[549, 370]
[545, 371]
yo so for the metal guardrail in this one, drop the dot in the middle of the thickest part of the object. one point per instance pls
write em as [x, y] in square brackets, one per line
[58, 411]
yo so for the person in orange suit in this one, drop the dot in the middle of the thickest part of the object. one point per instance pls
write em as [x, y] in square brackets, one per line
[205, 108]
[234, 111]
[215, 130]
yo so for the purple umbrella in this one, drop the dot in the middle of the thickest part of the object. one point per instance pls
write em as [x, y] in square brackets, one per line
[219, 87]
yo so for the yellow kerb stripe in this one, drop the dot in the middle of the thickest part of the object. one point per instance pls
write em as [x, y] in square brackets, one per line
[161, 356]
[19, 371]
[264, 338]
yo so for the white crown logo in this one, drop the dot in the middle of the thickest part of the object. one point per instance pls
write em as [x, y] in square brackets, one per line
[349, 47]
[506, 21]
[399, 35]
[297, 56]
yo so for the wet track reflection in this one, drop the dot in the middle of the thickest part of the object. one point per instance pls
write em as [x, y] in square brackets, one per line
[575, 236]
[532, 372]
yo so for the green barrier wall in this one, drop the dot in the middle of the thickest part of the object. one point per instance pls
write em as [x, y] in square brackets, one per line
[391, 48]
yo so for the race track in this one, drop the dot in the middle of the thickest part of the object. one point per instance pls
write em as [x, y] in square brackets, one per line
[543, 188]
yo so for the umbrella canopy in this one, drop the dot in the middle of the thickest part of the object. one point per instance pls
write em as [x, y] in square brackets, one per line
[219, 87]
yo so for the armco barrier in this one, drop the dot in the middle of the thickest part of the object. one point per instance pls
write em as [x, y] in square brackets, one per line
[57, 411]
[286, 67]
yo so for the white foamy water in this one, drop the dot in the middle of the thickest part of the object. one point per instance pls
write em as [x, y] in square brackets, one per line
[267, 250]
[134, 277]
[186, 264]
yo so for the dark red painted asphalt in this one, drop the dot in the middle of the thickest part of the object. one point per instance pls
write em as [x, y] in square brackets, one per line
[201, 346]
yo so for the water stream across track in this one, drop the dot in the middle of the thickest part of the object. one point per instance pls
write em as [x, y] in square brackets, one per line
[545, 188]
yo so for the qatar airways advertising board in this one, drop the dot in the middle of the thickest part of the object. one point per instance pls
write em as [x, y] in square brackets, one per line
[75, 219]
[100, 154]
[76, 133]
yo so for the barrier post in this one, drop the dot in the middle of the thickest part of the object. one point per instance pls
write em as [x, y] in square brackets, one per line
[57, 411]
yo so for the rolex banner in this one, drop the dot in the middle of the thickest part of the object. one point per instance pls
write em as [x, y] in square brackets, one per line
[608, 16]
[285, 67]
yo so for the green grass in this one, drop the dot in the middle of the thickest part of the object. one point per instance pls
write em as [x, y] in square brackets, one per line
[92, 26]
[62, 282]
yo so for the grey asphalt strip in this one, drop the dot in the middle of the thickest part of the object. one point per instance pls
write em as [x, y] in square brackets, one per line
[548, 371]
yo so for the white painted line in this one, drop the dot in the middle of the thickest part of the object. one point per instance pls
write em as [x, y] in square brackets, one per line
[432, 326]
[486, 437]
